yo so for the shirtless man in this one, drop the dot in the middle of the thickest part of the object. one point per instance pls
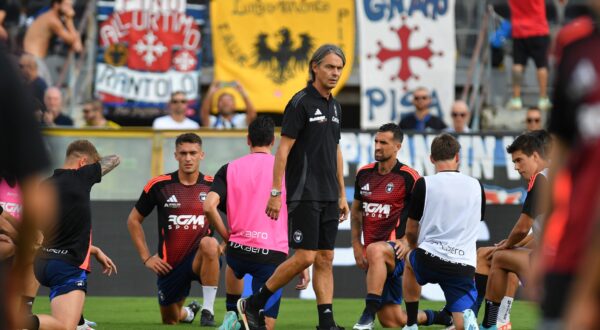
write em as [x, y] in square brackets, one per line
[57, 21]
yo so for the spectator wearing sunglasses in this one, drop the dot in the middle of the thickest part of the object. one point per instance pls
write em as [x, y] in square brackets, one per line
[176, 118]
[533, 119]
[421, 119]
[460, 118]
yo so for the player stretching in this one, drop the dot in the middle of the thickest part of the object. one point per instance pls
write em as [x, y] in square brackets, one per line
[379, 211]
[443, 219]
[186, 252]
[256, 244]
[62, 264]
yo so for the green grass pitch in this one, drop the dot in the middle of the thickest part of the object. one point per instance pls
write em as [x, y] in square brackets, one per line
[142, 313]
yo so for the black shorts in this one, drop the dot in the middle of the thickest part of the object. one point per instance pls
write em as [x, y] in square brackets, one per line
[313, 225]
[534, 47]
[175, 286]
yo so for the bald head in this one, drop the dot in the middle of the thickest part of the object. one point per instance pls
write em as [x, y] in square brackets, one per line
[53, 100]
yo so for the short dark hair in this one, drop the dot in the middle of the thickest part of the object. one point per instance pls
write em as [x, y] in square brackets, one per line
[95, 103]
[188, 138]
[444, 147]
[177, 93]
[52, 2]
[527, 143]
[546, 140]
[261, 131]
[395, 129]
[80, 148]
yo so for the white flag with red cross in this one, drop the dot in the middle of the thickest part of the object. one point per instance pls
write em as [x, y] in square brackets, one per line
[405, 44]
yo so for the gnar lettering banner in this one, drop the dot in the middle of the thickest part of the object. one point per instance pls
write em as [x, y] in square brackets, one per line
[405, 44]
[148, 49]
[266, 44]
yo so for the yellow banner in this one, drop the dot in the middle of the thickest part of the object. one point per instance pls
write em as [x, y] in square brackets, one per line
[266, 44]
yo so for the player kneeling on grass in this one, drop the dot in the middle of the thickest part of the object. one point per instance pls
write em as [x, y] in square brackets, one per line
[442, 227]
[62, 263]
[379, 211]
[186, 251]
[256, 244]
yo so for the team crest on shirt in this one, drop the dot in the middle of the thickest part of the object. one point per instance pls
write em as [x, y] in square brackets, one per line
[202, 196]
[298, 236]
[389, 187]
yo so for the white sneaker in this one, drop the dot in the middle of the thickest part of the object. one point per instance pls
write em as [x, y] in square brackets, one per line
[412, 327]
[544, 103]
[515, 103]
[84, 327]
[470, 320]
[90, 324]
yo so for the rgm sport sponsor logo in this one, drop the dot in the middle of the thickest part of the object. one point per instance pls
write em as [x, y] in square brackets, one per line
[186, 221]
[13, 208]
[377, 210]
[255, 234]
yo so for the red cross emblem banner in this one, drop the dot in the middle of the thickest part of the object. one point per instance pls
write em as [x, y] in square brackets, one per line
[148, 49]
[266, 44]
[405, 44]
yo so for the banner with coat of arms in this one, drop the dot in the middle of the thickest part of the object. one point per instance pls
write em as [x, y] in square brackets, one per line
[405, 44]
[266, 44]
[148, 49]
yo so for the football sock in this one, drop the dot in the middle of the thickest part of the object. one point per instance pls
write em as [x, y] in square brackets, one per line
[504, 310]
[491, 313]
[209, 293]
[372, 303]
[231, 302]
[260, 299]
[326, 315]
[481, 285]
[412, 311]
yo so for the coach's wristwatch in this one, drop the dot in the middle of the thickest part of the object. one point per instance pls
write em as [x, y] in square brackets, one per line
[275, 192]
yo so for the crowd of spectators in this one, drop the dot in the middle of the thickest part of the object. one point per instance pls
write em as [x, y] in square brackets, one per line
[44, 24]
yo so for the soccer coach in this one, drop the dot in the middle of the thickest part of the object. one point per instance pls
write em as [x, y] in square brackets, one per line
[309, 152]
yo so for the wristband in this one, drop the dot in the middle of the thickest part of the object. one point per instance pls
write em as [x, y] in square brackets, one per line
[145, 261]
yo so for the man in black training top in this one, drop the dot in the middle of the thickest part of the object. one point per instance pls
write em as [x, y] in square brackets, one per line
[310, 154]
[63, 262]
[187, 251]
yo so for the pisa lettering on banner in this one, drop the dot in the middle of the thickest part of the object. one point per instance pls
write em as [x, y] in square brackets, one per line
[405, 44]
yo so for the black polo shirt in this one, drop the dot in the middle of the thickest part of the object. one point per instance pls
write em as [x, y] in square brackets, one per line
[314, 122]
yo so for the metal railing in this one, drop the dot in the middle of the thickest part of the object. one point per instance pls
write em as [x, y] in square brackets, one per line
[76, 73]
